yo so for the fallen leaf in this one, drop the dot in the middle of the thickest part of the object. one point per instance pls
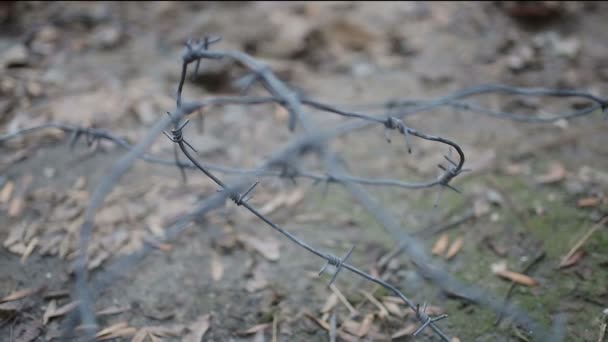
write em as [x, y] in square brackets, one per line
[382, 310]
[394, 309]
[140, 336]
[257, 282]
[166, 331]
[406, 331]
[10, 307]
[113, 310]
[573, 259]
[80, 183]
[50, 309]
[366, 325]
[455, 339]
[253, 330]
[274, 204]
[518, 278]
[124, 332]
[555, 174]
[481, 207]
[295, 197]
[63, 310]
[584, 239]
[16, 207]
[19, 294]
[589, 202]
[217, 267]
[351, 326]
[28, 332]
[109, 330]
[323, 324]
[440, 245]
[280, 113]
[198, 329]
[29, 249]
[268, 248]
[455, 248]
[330, 303]
[7, 192]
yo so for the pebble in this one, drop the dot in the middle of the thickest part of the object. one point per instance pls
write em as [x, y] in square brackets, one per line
[14, 56]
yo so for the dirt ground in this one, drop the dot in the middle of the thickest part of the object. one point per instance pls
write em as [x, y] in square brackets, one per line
[535, 189]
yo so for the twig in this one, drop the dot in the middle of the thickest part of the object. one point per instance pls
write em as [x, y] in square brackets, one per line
[538, 258]
[582, 240]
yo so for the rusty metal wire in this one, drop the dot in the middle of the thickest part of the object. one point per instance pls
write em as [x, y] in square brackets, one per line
[282, 164]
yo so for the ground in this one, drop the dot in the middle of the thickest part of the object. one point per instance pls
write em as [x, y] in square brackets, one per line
[534, 190]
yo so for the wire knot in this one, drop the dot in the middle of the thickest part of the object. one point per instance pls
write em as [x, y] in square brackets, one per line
[425, 318]
[337, 262]
[394, 123]
[240, 199]
[177, 135]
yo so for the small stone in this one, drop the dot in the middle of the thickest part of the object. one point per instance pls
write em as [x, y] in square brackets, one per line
[107, 37]
[49, 172]
[47, 34]
[568, 48]
[34, 89]
[515, 63]
[14, 56]
[494, 197]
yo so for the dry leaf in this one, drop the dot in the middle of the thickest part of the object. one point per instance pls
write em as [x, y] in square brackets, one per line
[330, 303]
[16, 207]
[394, 309]
[113, 310]
[366, 325]
[19, 295]
[589, 202]
[323, 324]
[481, 207]
[455, 248]
[217, 267]
[295, 197]
[382, 310]
[351, 326]
[584, 239]
[440, 245]
[269, 247]
[573, 259]
[258, 282]
[198, 329]
[80, 183]
[28, 332]
[29, 249]
[280, 113]
[168, 331]
[408, 330]
[140, 336]
[273, 204]
[63, 310]
[518, 278]
[112, 328]
[253, 330]
[556, 173]
[50, 309]
[455, 339]
[7, 192]
[124, 332]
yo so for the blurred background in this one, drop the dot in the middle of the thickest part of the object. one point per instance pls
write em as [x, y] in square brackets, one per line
[115, 65]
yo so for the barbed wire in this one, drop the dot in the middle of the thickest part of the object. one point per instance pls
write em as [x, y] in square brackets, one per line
[312, 141]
